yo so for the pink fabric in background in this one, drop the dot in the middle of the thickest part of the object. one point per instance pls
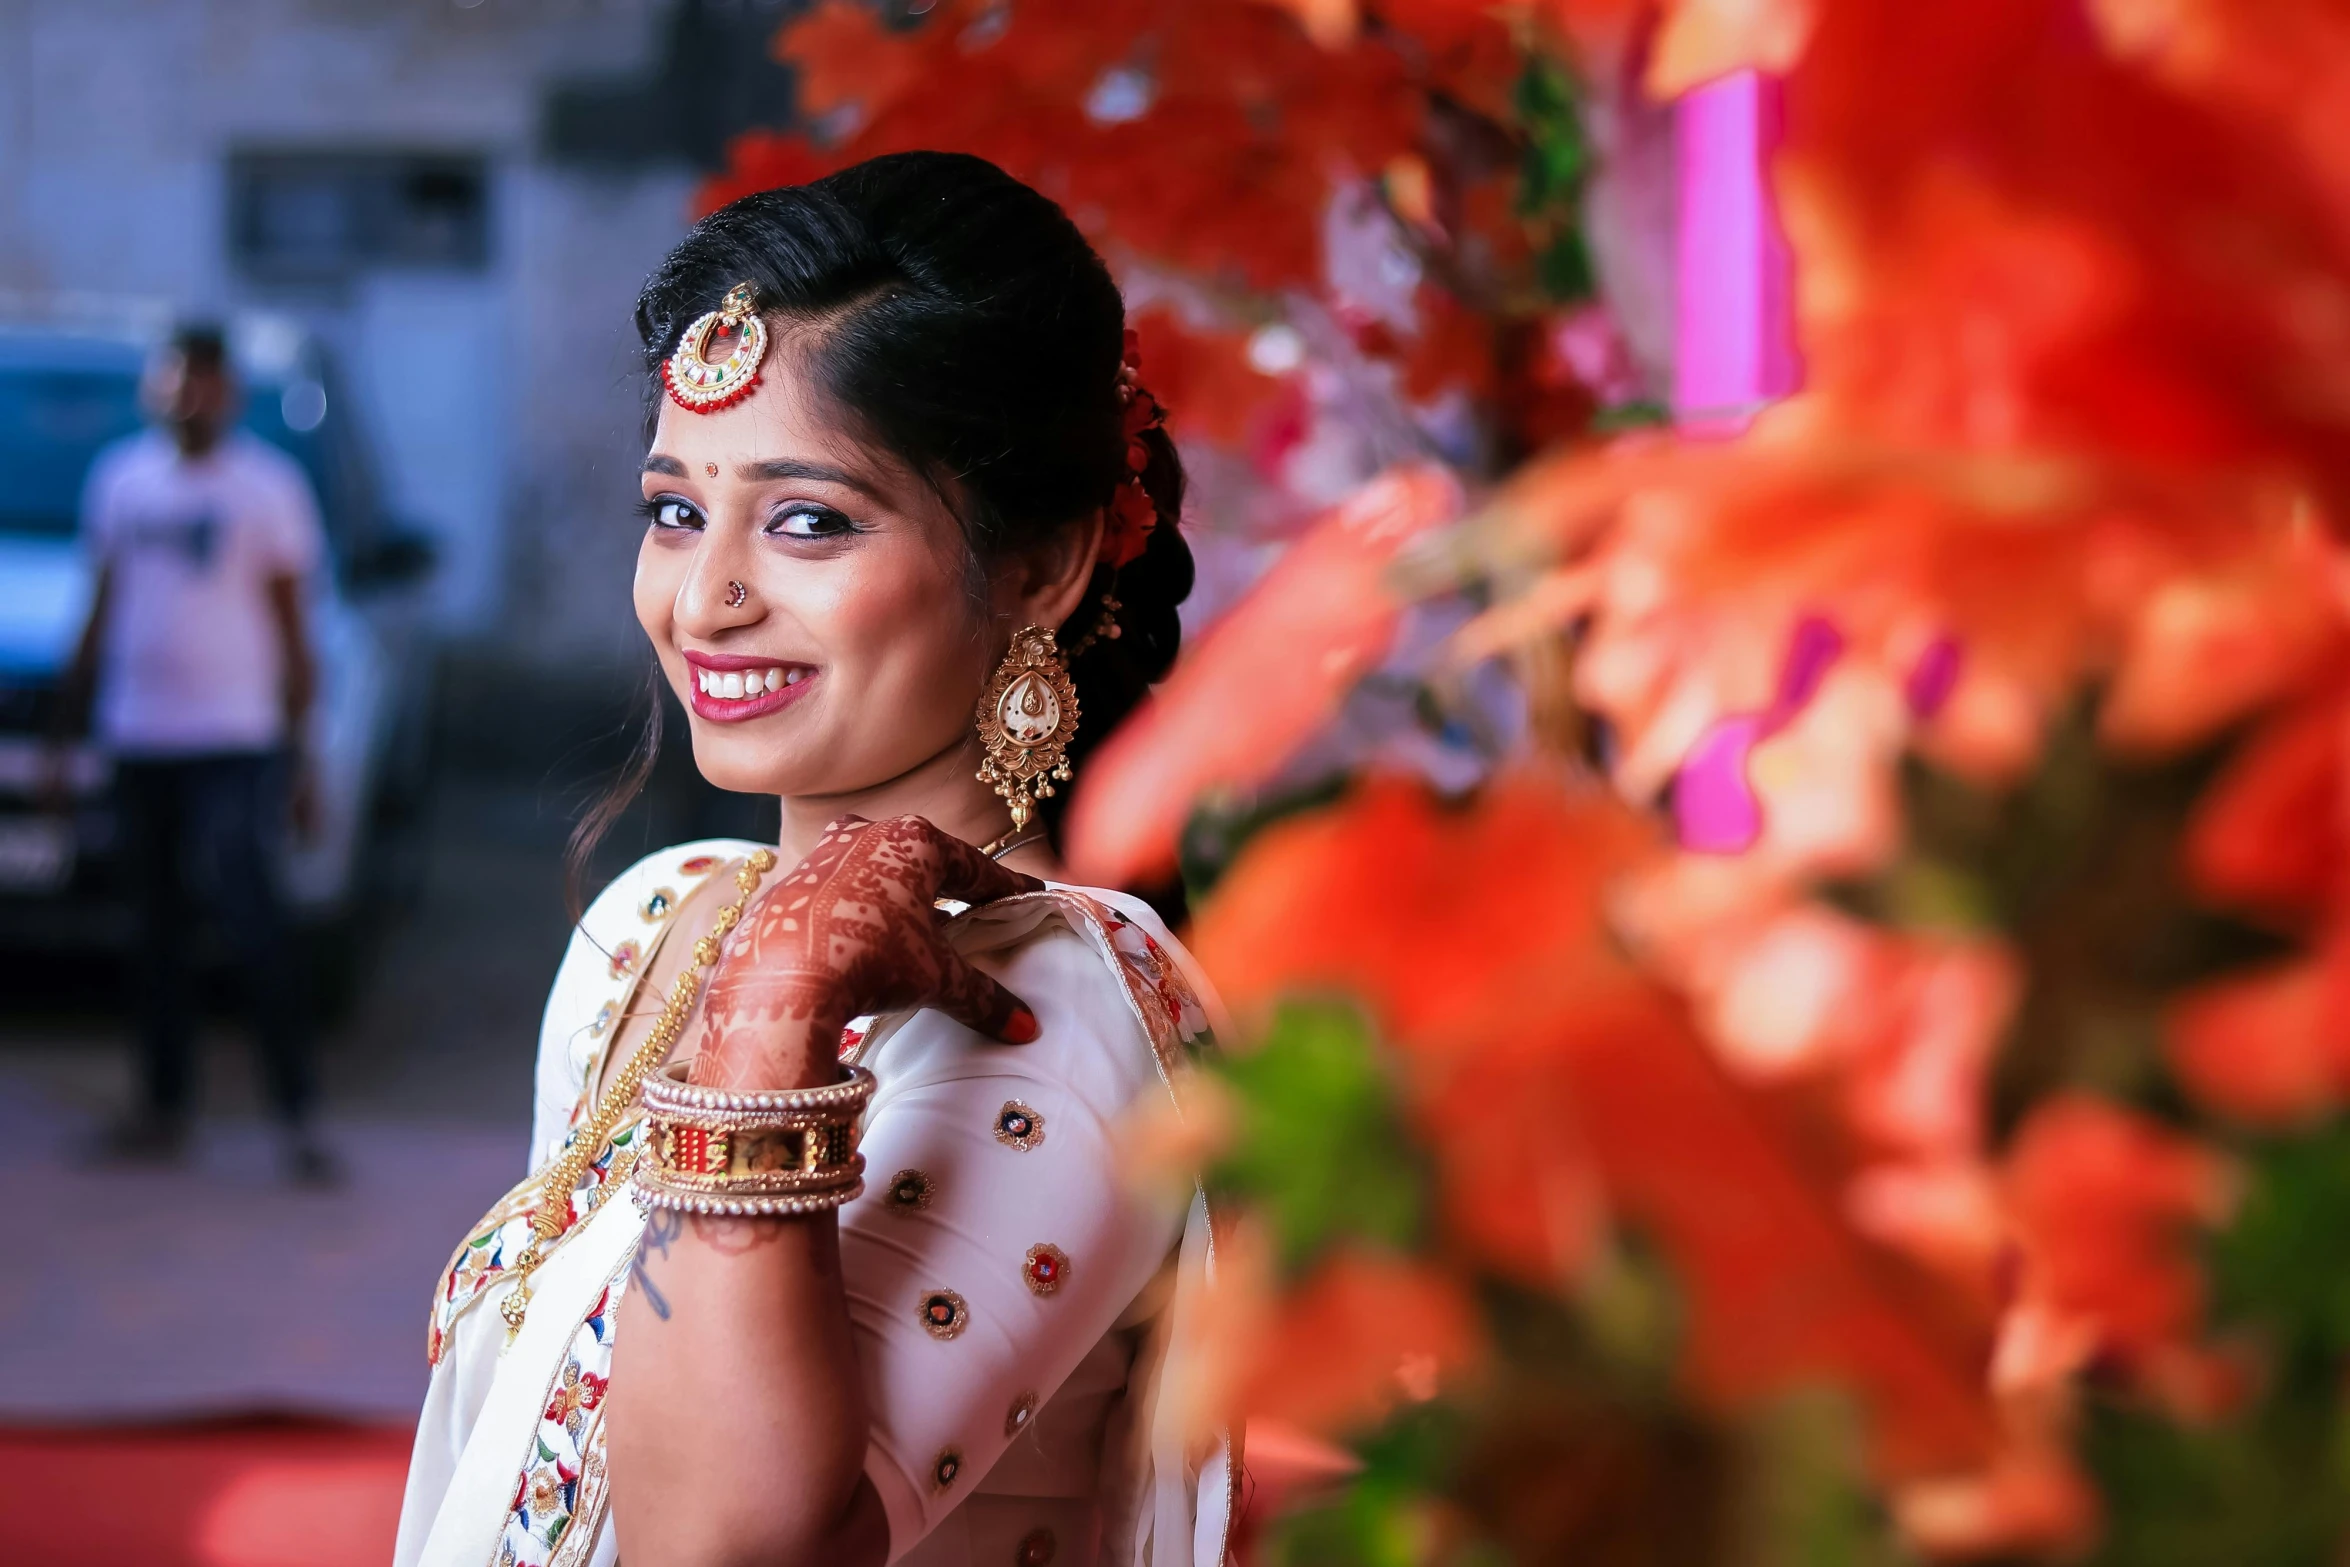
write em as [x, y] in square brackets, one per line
[1734, 333]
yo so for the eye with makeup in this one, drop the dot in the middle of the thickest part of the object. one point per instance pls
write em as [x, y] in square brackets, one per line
[671, 513]
[808, 520]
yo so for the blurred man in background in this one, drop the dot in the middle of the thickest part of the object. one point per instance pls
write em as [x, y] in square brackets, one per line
[201, 538]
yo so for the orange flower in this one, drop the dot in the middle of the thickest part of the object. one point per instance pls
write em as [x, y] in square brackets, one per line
[1205, 134]
[1477, 937]
[2273, 834]
[2104, 1202]
[1295, 645]
[2032, 1501]
[2266, 1047]
[1202, 376]
[1360, 1334]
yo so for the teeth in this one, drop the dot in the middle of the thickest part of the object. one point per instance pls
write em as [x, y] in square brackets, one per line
[739, 685]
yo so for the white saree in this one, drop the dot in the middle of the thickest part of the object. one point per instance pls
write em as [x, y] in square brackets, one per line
[1012, 1296]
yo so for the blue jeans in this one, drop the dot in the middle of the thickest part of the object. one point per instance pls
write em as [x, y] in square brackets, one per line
[204, 834]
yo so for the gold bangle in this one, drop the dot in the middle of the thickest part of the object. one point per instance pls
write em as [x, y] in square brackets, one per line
[713, 1150]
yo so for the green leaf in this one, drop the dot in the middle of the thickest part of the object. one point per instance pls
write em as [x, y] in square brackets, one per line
[1640, 414]
[1564, 268]
[1321, 1149]
[1554, 166]
[2285, 1262]
[1382, 1518]
[1804, 1497]
[2268, 1486]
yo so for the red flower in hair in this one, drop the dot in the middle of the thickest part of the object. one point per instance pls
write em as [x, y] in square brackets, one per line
[1132, 514]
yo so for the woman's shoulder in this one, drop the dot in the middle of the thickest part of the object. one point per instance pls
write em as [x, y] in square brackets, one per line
[620, 922]
[652, 888]
[1104, 955]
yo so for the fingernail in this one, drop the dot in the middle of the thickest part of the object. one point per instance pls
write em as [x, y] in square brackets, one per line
[1022, 1027]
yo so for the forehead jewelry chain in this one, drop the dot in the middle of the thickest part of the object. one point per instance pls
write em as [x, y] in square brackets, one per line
[552, 1216]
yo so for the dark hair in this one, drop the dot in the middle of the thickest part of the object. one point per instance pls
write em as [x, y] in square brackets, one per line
[202, 345]
[964, 322]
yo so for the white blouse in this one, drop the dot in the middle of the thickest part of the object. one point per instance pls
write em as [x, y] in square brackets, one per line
[1013, 1297]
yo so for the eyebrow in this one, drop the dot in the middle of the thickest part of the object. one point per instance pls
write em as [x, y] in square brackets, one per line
[793, 468]
[772, 468]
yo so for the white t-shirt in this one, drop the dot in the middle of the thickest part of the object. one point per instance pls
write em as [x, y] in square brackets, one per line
[190, 656]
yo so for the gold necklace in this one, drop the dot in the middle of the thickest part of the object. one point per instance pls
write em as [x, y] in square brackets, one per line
[997, 848]
[552, 1216]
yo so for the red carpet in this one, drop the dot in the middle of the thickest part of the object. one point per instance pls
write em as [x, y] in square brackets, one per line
[248, 1493]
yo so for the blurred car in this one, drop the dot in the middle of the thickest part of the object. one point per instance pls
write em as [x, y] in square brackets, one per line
[67, 390]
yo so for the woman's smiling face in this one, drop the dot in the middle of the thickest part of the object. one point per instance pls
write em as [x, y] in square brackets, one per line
[855, 648]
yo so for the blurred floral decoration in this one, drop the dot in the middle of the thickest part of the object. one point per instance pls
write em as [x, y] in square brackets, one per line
[1855, 1072]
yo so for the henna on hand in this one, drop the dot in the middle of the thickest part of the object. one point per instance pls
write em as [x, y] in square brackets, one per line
[851, 930]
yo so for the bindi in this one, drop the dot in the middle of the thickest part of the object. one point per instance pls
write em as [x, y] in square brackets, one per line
[711, 469]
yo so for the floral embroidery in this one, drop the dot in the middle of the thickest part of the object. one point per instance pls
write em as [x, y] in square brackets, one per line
[944, 1315]
[587, 1506]
[657, 907]
[1046, 1269]
[604, 1016]
[910, 1190]
[481, 1260]
[1037, 1548]
[699, 865]
[1017, 1126]
[547, 1493]
[1148, 962]
[943, 1470]
[624, 958]
[1016, 1418]
[578, 1395]
[1163, 1001]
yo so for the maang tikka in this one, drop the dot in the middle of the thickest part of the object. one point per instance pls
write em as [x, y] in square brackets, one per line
[1027, 717]
[700, 383]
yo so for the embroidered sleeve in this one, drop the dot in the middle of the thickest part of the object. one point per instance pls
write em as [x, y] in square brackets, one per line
[997, 1242]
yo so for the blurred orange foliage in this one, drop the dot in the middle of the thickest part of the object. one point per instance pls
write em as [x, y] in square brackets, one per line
[1325, 594]
[1477, 939]
[1225, 176]
[2075, 313]
[1205, 139]
[2074, 309]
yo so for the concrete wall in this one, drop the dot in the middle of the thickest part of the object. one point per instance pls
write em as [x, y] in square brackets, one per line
[503, 399]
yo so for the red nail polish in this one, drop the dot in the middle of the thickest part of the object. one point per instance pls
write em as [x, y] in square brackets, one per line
[1022, 1027]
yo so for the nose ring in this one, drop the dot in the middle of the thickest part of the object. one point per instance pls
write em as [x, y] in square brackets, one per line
[735, 594]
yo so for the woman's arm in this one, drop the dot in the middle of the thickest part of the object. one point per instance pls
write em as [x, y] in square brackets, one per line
[736, 1427]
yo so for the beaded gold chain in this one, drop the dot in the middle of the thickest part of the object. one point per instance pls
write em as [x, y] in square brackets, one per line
[552, 1216]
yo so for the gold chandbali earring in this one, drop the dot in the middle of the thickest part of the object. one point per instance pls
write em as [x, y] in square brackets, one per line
[1027, 717]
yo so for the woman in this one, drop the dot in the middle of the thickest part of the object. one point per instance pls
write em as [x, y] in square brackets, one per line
[902, 473]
